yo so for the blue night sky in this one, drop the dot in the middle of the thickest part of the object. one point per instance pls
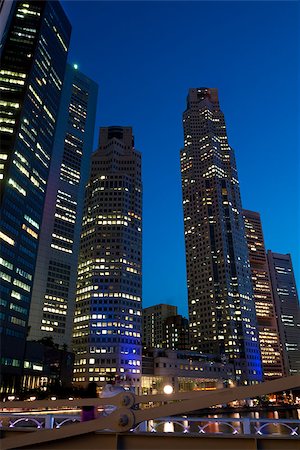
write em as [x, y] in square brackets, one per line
[145, 56]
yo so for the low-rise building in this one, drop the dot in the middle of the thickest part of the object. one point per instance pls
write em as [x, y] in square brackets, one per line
[184, 370]
[45, 364]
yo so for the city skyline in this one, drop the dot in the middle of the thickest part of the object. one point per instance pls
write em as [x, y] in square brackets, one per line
[149, 94]
[200, 238]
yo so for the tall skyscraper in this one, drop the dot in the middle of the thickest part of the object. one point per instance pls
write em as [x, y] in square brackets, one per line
[33, 54]
[53, 293]
[263, 298]
[221, 308]
[107, 325]
[153, 324]
[287, 309]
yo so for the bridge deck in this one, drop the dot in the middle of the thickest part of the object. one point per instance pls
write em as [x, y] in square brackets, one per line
[174, 441]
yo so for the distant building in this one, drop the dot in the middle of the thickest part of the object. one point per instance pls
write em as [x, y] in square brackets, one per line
[176, 333]
[184, 370]
[263, 298]
[34, 42]
[108, 322]
[153, 324]
[53, 293]
[287, 309]
[221, 307]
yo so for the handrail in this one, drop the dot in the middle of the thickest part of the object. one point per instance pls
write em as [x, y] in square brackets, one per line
[124, 419]
[122, 399]
[117, 400]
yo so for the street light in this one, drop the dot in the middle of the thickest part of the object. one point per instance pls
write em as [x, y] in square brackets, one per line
[168, 389]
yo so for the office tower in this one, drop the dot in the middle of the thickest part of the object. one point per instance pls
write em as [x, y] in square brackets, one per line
[221, 308]
[53, 293]
[176, 333]
[287, 309]
[263, 298]
[107, 324]
[33, 56]
[153, 322]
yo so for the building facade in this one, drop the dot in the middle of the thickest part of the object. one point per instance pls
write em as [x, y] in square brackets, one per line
[184, 370]
[33, 54]
[263, 298]
[221, 307]
[153, 324]
[107, 324]
[45, 365]
[176, 332]
[287, 309]
[53, 293]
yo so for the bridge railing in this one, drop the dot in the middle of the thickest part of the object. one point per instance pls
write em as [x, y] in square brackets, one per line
[233, 426]
[125, 418]
[177, 424]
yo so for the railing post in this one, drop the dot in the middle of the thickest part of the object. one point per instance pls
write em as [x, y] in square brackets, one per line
[49, 421]
[246, 426]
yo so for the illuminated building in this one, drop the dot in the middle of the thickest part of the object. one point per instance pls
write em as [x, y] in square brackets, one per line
[176, 332]
[287, 309]
[46, 365]
[221, 307]
[53, 293]
[263, 298]
[107, 324]
[184, 370]
[33, 54]
[153, 324]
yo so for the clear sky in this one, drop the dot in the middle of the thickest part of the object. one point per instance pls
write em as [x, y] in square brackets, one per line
[145, 56]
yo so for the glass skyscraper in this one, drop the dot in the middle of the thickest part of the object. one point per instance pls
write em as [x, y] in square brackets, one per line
[54, 287]
[263, 298]
[221, 308]
[287, 309]
[107, 324]
[34, 45]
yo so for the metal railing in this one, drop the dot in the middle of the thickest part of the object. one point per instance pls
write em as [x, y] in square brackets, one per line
[178, 424]
[204, 425]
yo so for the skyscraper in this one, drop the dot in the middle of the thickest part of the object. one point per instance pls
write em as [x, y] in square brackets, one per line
[287, 309]
[221, 308]
[176, 333]
[263, 298]
[33, 54]
[53, 293]
[107, 324]
[153, 324]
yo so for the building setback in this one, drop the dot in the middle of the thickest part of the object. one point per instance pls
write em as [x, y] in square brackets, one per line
[153, 324]
[53, 293]
[33, 54]
[221, 307]
[107, 325]
[263, 298]
[287, 309]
